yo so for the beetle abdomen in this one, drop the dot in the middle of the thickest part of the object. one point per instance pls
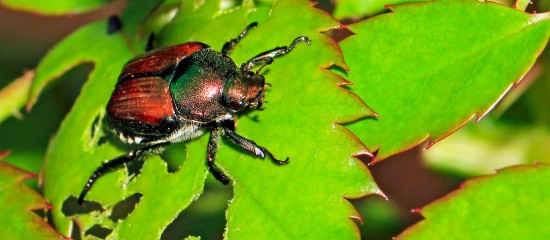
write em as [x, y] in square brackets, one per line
[145, 103]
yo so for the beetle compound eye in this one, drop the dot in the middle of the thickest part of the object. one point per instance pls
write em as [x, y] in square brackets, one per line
[234, 94]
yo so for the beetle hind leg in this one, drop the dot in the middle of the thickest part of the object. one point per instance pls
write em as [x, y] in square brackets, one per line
[117, 163]
[211, 156]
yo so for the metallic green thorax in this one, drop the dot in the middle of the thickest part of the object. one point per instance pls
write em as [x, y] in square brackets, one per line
[198, 83]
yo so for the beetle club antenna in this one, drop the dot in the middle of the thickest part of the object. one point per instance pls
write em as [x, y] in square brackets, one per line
[267, 57]
[229, 46]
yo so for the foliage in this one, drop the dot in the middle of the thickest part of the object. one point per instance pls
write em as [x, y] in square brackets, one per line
[18, 202]
[513, 195]
[426, 67]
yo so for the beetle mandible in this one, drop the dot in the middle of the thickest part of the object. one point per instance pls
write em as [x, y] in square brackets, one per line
[177, 93]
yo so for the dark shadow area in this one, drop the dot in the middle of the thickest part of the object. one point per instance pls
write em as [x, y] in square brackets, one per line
[95, 126]
[204, 218]
[408, 185]
[98, 232]
[76, 232]
[175, 156]
[71, 207]
[123, 208]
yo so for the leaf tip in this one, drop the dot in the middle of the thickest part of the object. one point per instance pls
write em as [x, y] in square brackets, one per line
[482, 115]
[49, 207]
[28, 76]
[4, 153]
[345, 82]
[358, 218]
[416, 210]
[364, 154]
[382, 194]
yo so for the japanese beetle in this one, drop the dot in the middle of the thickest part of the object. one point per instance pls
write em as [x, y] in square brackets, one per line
[177, 93]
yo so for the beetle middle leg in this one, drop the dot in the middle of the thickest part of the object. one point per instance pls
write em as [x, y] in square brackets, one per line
[117, 163]
[228, 127]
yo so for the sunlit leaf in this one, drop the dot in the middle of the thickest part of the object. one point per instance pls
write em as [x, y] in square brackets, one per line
[522, 4]
[363, 8]
[14, 96]
[509, 205]
[481, 149]
[55, 7]
[429, 68]
[307, 104]
[73, 154]
[17, 205]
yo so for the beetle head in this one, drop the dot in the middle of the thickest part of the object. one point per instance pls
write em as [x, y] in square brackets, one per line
[244, 90]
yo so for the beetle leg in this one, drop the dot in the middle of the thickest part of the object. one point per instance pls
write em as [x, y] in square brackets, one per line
[249, 145]
[211, 155]
[229, 46]
[267, 57]
[114, 24]
[150, 42]
[117, 163]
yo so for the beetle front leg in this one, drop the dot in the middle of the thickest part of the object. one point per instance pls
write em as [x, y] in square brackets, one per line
[248, 144]
[211, 155]
[118, 162]
[268, 56]
[229, 46]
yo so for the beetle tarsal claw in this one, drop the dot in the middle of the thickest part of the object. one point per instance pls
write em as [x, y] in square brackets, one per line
[280, 162]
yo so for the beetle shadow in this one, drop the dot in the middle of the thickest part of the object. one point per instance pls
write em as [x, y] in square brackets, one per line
[120, 211]
[249, 113]
[255, 118]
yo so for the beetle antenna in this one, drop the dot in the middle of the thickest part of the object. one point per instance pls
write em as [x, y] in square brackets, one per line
[268, 56]
[229, 46]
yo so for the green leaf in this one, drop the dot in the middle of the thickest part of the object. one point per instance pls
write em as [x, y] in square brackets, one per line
[522, 4]
[17, 203]
[302, 121]
[362, 8]
[174, 192]
[306, 103]
[210, 17]
[135, 13]
[480, 149]
[429, 68]
[73, 153]
[55, 7]
[14, 96]
[512, 204]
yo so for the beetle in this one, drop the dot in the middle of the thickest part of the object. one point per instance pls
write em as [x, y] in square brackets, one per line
[177, 93]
